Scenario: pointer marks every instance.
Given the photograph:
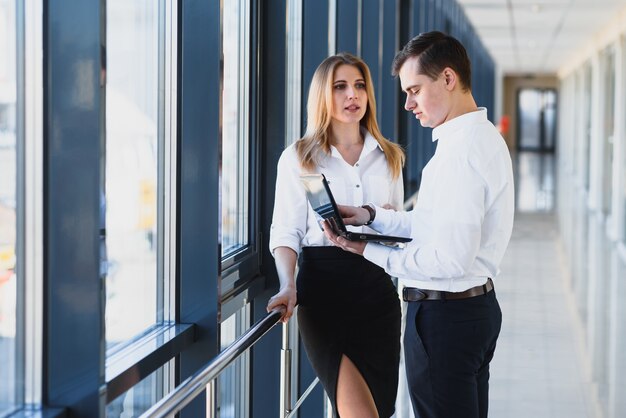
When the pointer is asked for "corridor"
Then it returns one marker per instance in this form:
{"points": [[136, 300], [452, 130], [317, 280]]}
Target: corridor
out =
{"points": [[561, 348]]}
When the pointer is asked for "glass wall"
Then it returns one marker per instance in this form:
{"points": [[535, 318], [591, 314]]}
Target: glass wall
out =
{"points": [[235, 161], [8, 208]]}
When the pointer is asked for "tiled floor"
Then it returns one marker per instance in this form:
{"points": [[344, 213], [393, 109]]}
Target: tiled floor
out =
{"points": [[539, 369]]}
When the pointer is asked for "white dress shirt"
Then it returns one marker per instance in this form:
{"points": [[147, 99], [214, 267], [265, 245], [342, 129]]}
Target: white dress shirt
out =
{"points": [[463, 218], [369, 181]]}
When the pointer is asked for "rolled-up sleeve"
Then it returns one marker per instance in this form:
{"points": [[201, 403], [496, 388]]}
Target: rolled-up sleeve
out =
{"points": [[289, 221]]}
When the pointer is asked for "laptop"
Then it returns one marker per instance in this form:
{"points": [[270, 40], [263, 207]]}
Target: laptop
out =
{"points": [[323, 203]]}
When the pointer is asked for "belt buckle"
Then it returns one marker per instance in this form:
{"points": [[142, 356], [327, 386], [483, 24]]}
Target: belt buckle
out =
{"points": [[414, 292]]}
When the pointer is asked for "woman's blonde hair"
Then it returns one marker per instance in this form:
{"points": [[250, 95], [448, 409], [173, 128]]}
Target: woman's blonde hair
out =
{"points": [[316, 142]]}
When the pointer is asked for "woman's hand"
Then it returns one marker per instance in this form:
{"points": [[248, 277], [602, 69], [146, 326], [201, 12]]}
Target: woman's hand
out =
{"points": [[287, 297], [356, 247]]}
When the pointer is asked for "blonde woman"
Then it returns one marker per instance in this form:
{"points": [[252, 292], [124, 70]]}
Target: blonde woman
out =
{"points": [[349, 311]]}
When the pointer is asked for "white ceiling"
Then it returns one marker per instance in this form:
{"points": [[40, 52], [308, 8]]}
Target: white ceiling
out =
{"points": [[538, 36]]}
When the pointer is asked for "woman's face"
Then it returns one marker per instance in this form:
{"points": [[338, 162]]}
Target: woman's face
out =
{"points": [[349, 95]]}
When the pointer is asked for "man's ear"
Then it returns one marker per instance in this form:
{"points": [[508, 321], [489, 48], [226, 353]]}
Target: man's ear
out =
{"points": [[450, 78]]}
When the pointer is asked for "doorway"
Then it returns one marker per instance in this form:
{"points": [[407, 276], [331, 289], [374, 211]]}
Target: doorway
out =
{"points": [[536, 119]]}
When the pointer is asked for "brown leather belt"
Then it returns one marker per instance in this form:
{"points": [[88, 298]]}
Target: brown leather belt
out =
{"points": [[412, 294]]}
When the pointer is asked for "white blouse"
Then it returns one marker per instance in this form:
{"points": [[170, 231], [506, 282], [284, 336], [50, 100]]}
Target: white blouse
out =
{"points": [[369, 181], [463, 218]]}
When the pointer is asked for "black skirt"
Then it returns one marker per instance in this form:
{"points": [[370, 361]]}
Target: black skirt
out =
{"points": [[349, 306]]}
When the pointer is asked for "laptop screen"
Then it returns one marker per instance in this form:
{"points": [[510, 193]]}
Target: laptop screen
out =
{"points": [[322, 201]]}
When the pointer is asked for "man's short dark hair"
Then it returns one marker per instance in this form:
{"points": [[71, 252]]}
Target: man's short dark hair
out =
{"points": [[436, 51]]}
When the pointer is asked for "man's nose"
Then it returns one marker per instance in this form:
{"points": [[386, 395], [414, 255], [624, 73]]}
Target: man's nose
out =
{"points": [[409, 104]]}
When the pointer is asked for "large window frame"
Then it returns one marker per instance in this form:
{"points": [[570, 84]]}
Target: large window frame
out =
{"points": [[240, 267]]}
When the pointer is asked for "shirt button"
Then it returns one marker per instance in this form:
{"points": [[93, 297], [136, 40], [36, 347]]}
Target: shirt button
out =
{"points": [[357, 164], [358, 185]]}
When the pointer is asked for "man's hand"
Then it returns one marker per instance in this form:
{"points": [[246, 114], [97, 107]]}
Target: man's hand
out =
{"points": [[353, 215], [356, 247]]}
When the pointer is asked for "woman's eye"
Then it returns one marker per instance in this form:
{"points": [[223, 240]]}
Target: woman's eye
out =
{"points": [[360, 85], [340, 86]]}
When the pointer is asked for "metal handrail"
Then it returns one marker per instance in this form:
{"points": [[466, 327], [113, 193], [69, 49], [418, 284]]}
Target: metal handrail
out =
{"points": [[196, 383]]}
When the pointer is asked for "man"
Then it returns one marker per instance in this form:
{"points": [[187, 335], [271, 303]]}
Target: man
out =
{"points": [[461, 226]]}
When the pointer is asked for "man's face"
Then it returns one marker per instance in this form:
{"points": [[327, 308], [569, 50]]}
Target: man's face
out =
{"points": [[428, 99]]}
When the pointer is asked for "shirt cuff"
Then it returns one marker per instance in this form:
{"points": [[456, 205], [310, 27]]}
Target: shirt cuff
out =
{"points": [[377, 254], [381, 219]]}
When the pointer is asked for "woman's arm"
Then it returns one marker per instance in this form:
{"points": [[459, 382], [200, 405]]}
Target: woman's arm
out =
{"points": [[285, 259]]}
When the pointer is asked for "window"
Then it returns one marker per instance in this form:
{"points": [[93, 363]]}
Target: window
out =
{"points": [[9, 235], [131, 173], [233, 383], [235, 160], [137, 258], [142, 396], [586, 114], [608, 129]]}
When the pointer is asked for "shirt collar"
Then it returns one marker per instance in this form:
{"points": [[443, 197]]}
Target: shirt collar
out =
{"points": [[369, 144], [450, 127]]}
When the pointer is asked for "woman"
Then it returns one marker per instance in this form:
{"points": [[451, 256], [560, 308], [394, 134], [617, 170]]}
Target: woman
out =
{"points": [[349, 311]]}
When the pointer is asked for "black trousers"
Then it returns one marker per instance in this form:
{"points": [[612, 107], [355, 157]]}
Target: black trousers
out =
{"points": [[448, 345]]}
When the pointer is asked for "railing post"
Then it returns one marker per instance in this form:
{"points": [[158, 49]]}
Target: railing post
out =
{"points": [[211, 394], [285, 374]]}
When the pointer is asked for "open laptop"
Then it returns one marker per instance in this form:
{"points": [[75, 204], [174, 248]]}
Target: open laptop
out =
{"points": [[323, 203]]}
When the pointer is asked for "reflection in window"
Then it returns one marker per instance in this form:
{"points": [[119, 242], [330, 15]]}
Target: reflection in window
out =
{"points": [[131, 173], [235, 149], [8, 203]]}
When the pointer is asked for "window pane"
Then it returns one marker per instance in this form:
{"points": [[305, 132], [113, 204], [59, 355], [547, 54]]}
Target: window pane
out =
{"points": [[131, 183], [141, 397], [8, 203], [235, 160], [233, 382]]}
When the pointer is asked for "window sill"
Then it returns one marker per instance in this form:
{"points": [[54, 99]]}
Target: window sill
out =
{"points": [[31, 412], [128, 366]]}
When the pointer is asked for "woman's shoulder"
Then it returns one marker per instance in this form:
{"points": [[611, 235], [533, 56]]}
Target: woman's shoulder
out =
{"points": [[290, 153]]}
